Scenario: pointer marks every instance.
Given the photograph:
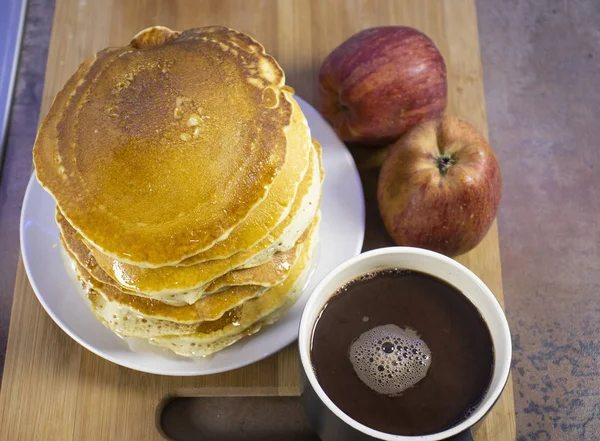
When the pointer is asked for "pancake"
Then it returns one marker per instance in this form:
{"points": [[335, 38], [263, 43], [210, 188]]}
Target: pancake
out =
{"points": [[209, 307], [76, 249], [132, 148], [179, 279], [269, 274], [280, 197], [187, 187], [182, 338], [242, 322], [194, 346], [283, 236]]}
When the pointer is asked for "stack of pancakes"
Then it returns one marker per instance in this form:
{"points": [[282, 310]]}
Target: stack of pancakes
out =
{"points": [[187, 187]]}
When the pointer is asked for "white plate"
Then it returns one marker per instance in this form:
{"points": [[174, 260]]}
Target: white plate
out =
{"points": [[341, 237]]}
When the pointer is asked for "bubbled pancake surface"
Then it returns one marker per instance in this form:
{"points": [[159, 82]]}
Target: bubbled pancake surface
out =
{"points": [[132, 148], [278, 203], [181, 279]]}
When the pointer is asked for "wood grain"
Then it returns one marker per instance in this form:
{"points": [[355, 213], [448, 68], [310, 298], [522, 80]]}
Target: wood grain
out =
{"points": [[53, 389]]}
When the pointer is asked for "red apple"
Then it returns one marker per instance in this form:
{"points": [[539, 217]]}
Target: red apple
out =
{"points": [[381, 82], [440, 187]]}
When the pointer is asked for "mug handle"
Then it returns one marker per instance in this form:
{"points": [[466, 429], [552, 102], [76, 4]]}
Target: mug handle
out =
{"points": [[467, 435]]}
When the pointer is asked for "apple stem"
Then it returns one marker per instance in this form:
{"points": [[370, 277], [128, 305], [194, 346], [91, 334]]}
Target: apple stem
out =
{"points": [[444, 162]]}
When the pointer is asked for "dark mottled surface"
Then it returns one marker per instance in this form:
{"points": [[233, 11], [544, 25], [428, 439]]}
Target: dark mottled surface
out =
{"points": [[541, 63], [542, 80]]}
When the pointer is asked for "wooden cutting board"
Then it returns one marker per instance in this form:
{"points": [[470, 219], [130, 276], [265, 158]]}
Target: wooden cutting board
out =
{"points": [[53, 389]]}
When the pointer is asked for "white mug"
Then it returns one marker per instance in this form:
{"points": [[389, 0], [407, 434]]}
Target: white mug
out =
{"points": [[331, 423]]}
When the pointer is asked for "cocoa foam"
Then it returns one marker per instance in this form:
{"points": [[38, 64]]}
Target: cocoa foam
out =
{"points": [[390, 359]]}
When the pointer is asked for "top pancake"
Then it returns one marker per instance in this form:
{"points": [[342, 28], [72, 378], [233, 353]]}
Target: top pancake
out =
{"points": [[155, 151], [179, 278], [278, 203]]}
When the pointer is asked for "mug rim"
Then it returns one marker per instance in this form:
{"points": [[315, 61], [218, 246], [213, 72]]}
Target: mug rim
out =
{"points": [[311, 313]]}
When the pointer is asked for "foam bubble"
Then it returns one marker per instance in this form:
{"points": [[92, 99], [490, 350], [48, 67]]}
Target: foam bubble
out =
{"points": [[389, 359]]}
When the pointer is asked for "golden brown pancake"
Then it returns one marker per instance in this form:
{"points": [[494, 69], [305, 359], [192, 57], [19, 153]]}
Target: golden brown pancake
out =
{"points": [[187, 187], [273, 209], [75, 248], [179, 279], [268, 274], [166, 333], [209, 307], [199, 346], [133, 147]]}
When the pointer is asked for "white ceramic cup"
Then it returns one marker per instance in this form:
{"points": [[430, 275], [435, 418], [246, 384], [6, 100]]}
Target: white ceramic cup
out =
{"points": [[331, 423]]}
